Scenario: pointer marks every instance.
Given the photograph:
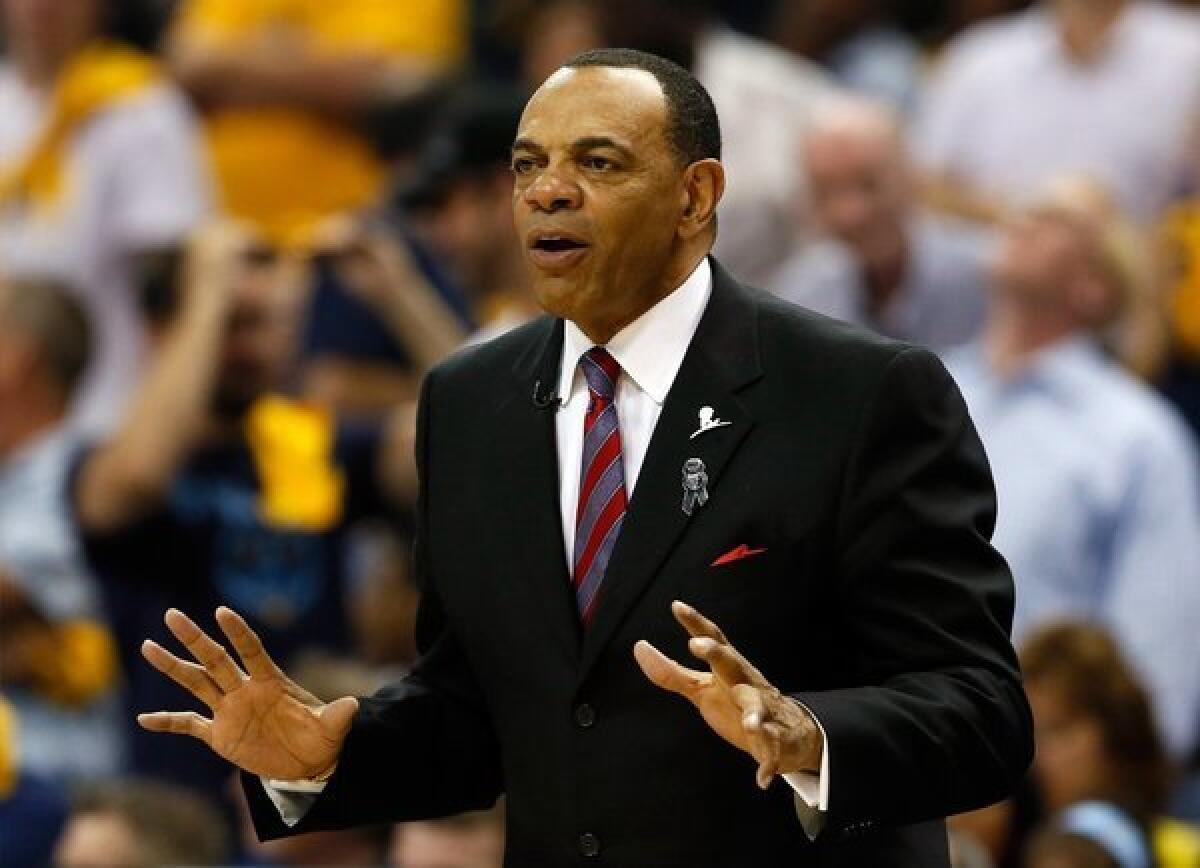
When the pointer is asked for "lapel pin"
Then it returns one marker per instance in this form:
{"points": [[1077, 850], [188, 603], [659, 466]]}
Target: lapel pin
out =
{"points": [[695, 485], [708, 421]]}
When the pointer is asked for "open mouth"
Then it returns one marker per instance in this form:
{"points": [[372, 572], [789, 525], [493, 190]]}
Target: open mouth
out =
{"points": [[553, 244], [555, 251]]}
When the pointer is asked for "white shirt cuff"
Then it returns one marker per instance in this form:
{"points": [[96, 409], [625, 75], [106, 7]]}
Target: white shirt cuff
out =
{"points": [[812, 790], [292, 799]]}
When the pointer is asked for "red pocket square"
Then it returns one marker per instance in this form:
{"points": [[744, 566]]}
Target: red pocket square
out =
{"points": [[736, 554]]}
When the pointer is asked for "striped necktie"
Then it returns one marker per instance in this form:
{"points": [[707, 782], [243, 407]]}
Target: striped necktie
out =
{"points": [[602, 500]]}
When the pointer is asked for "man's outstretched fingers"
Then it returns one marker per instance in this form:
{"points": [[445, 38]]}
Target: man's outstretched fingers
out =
{"points": [[178, 722], [247, 644], [204, 648], [189, 676], [725, 661], [665, 672], [695, 623]]}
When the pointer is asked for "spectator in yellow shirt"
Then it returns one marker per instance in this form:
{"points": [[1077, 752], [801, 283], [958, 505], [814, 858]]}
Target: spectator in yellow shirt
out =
{"points": [[285, 84]]}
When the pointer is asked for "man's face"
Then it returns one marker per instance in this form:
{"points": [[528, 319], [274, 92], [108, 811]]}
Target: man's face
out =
{"points": [[860, 190], [51, 27], [259, 337], [598, 194], [472, 227], [1041, 255]]}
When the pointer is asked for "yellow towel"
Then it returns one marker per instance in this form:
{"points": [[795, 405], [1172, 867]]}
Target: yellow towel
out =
{"points": [[292, 444], [1183, 233], [8, 748], [100, 75], [77, 663]]}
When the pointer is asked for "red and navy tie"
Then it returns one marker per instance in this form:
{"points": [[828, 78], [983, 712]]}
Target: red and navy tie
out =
{"points": [[602, 499]]}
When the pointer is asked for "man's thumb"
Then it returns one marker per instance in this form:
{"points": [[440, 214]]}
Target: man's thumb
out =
{"points": [[337, 716]]}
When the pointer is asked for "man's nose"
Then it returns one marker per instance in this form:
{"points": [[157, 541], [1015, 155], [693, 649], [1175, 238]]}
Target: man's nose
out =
{"points": [[551, 192]]}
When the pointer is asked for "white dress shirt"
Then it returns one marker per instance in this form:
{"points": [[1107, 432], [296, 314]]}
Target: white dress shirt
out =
{"points": [[650, 351], [1008, 111]]}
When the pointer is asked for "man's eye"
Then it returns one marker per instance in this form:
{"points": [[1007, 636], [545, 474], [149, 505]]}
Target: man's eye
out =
{"points": [[597, 163], [521, 165]]}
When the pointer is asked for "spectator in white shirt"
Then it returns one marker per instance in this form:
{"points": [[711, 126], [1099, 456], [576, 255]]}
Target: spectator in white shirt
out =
{"points": [[1104, 88], [99, 162]]}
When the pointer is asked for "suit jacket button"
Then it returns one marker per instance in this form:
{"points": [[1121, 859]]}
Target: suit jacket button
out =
{"points": [[589, 845], [585, 715]]}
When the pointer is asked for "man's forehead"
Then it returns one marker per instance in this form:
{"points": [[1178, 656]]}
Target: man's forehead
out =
{"points": [[575, 103]]}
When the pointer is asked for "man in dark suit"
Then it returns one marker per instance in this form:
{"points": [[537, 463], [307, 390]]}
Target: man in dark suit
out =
{"points": [[818, 493]]}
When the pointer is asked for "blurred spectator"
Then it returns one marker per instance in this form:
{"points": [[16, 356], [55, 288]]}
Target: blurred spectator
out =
{"points": [[1096, 736], [1090, 835], [887, 263], [1096, 476], [474, 840], [140, 824], [377, 321], [859, 44], [32, 810], [380, 315], [216, 489], [99, 162], [461, 203], [57, 660], [286, 86], [1105, 88], [765, 97]]}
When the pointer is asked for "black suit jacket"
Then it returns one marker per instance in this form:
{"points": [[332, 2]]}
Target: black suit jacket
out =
{"points": [[878, 602]]}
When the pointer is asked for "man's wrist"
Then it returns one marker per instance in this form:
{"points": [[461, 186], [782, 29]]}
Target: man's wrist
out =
{"points": [[811, 741]]}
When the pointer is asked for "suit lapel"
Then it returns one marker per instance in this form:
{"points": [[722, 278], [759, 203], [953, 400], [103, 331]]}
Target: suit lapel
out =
{"points": [[541, 559], [722, 358]]}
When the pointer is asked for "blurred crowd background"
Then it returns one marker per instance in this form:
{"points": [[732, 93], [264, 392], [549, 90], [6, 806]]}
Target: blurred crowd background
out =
{"points": [[235, 233]]}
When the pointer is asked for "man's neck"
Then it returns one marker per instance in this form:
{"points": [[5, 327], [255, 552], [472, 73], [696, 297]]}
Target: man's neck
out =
{"points": [[601, 331], [1016, 334], [1086, 26], [884, 277]]}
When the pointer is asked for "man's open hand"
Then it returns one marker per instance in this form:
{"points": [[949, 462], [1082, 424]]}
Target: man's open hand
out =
{"points": [[262, 721], [735, 699]]}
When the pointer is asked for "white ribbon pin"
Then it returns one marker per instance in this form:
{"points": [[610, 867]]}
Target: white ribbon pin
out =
{"points": [[708, 421]]}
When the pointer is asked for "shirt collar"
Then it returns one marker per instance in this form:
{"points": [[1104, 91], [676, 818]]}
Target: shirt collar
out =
{"points": [[650, 349]]}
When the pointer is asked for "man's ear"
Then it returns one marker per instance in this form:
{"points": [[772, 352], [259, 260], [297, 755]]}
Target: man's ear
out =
{"points": [[703, 186]]}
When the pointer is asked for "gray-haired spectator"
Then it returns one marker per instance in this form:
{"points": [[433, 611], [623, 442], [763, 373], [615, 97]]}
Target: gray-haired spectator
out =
{"points": [[1105, 88], [57, 663], [886, 262]]}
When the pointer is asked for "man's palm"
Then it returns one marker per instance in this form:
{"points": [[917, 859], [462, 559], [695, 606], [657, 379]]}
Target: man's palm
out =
{"points": [[262, 721], [735, 700]]}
